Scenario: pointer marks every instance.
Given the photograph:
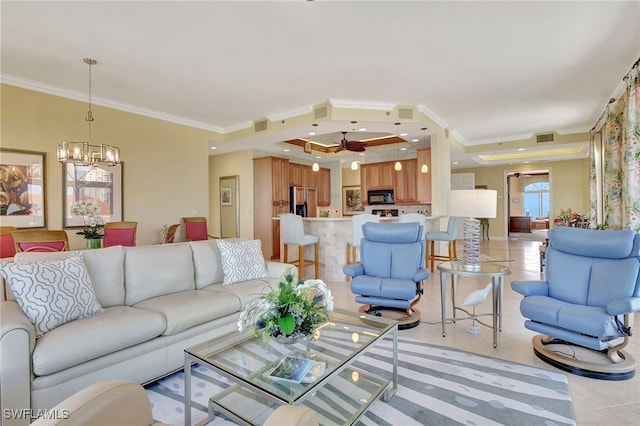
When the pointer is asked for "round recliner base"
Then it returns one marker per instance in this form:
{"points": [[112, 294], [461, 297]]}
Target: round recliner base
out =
{"points": [[405, 320], [583, 361]]}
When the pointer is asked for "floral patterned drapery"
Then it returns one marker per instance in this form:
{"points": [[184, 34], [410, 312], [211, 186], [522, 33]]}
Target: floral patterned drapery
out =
{"points": [[620, 137]]}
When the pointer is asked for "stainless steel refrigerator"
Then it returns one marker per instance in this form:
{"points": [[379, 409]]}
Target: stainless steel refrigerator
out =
{"points": [[303, 201]]}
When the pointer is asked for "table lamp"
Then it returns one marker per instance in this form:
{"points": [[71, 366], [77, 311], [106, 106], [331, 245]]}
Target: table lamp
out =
{"points": [[472, 204]]}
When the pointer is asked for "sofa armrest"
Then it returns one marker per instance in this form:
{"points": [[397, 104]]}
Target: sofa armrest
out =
{"points": [[292, 415], [624, 306], [531, 288], [276, 269], [113, 402], [421, 275], [17, 342], [353, 269]]}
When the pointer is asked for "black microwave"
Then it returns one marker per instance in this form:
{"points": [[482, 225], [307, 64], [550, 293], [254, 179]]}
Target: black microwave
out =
{"points": [[380, 196]]}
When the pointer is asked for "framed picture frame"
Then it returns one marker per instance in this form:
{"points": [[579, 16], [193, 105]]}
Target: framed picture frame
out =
{"points": [[22, 188], [103, 184], [225, 196], [351, 200]]}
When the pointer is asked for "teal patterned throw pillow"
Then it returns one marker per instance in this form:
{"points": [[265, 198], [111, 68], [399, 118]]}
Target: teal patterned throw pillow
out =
{"points": [[52, 292]]}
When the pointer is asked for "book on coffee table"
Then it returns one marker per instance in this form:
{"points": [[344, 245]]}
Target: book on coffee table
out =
{"points": [[291, 369]]}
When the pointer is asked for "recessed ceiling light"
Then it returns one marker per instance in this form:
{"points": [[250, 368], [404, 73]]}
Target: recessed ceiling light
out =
{"points": [[456, 162], [213, 147], [520, 149], [403, 149], [311, 133], [317, 156], [286, 150], [415, 140], [362, 129], [404, 134], [362, 153]]}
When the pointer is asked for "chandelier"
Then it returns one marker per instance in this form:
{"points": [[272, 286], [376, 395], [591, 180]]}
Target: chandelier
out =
{"points": [[84, 153]]}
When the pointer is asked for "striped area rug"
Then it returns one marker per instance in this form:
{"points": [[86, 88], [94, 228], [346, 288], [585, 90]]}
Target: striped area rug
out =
{"points": [[437, 386]]}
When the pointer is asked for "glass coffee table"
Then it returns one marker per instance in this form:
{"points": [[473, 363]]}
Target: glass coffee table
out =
{"points": [[339, 396]]}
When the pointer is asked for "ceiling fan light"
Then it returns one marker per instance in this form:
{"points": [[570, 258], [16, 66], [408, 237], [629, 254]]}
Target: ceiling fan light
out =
{"points": [[397, 166], [315, 167], [354, 165], [424, 169]]}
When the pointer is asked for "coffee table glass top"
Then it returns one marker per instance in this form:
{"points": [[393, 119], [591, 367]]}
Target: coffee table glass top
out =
{"points": [[248, 360]]}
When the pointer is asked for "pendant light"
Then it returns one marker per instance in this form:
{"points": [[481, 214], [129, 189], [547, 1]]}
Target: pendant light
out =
{"points": [[315, 167], [398, 165], [84, 153], [424, 168]]}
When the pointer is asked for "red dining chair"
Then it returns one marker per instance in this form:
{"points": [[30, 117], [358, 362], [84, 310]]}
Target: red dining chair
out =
{"points": [[40, 240], [120, 234], [195, 229], [7, 245]]}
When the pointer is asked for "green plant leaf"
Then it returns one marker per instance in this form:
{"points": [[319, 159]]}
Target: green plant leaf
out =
{"points": [[287, 324]]}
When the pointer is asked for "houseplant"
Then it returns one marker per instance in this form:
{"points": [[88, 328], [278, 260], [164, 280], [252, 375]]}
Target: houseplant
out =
{"points": [[290, 312], [93, 230]]}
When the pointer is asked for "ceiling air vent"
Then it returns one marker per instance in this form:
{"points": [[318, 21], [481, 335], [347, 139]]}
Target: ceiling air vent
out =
{"points": [[321, 112], [405, 113], [544, 138], [260, 126]]}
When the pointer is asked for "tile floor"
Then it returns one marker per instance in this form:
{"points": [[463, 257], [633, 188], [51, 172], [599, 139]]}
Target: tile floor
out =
{"points": [[596, 402]]}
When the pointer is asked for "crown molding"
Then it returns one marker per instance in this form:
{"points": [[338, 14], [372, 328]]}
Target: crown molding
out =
{"points": [[37, 86], [291, 113], [355, 104]]}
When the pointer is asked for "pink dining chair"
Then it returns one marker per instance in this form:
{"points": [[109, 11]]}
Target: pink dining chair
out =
{"points": [[120, 234], [7, 245], [40, 240], [195, 229]]}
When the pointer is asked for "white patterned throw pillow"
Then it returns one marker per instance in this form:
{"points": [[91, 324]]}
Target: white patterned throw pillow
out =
{"points": [[52, 292], [242, 261]]}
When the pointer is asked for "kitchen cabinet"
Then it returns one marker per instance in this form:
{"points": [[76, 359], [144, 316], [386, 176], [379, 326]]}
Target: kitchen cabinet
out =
{"points": [[270, 199], [296, 174], [323, 184], [377, 176], [423, 180], [405, 188]]}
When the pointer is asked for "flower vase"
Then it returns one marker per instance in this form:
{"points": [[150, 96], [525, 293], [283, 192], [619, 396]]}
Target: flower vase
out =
{"points": [[288, 340], [94, 243]]}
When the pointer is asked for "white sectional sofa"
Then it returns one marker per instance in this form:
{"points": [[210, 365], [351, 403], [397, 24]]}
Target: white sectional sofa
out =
{"points": [[157, 300]]}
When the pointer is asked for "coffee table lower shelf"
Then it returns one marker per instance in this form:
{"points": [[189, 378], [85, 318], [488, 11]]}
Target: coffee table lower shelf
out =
{"points": [[342, 400]]}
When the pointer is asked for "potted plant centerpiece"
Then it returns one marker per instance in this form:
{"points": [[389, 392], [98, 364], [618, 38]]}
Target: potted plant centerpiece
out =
{"points": [[93, 230], [290, 312]]}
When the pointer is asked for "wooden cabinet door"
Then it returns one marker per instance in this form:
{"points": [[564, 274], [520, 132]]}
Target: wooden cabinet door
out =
{"points": [[423, 180], [312, 202], [400, 190], [409, 168], [306, 176], [324, 187], [387, 175], [371, 174], [296, 172], [280, 179]]}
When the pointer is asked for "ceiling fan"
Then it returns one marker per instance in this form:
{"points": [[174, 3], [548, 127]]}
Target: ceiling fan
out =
{"points": [[355, 146]]}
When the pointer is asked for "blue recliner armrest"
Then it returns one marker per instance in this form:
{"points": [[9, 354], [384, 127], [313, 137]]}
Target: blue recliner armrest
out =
{"points": [[624, 306], [421, 275], [531, 288], [353, 270]]}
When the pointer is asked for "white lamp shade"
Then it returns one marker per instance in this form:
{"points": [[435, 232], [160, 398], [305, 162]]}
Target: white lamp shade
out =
{"points": [[315, 167], [354, 165], [478, 203]]}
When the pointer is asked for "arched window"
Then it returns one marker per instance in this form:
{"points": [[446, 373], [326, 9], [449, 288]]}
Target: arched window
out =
{"points": [[536, 199]]}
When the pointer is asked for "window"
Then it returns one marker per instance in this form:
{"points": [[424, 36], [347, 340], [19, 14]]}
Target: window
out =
{"points": [[536, 199]]}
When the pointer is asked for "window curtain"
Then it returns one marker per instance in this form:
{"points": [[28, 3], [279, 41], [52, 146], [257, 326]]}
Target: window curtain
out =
{"points": [[620, 136]]}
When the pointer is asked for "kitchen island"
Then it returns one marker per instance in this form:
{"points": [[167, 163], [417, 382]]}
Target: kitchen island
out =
{"points": [[334, 232]]}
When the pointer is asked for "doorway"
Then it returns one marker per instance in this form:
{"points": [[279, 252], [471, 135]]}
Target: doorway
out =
{"points": [[229, 206], [529, 204]]}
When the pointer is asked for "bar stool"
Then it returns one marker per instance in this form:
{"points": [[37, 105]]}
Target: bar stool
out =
{"points": [[422, 220], [356, 235], [449, 236], [292, 232]]}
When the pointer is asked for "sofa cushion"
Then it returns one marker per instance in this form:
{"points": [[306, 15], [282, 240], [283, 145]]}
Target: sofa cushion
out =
{"points": [[189, 308], [246, 291], [116, 328], [156, 270], [242, 261], [207, 263], [105, 266], [52, 292]]}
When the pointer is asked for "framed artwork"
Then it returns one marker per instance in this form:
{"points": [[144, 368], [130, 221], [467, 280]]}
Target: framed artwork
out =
{"points": [[22, 188], [102, 184], [351, 201], [307, 147], [225, 196]]}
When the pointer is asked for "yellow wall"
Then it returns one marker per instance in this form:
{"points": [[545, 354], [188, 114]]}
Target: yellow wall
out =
{"points": [[235, 163], [568, 183], [165, 165]]}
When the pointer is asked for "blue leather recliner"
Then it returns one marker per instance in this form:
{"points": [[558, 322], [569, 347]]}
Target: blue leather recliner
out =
{"points": [[592, 285], [387, 278]]}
